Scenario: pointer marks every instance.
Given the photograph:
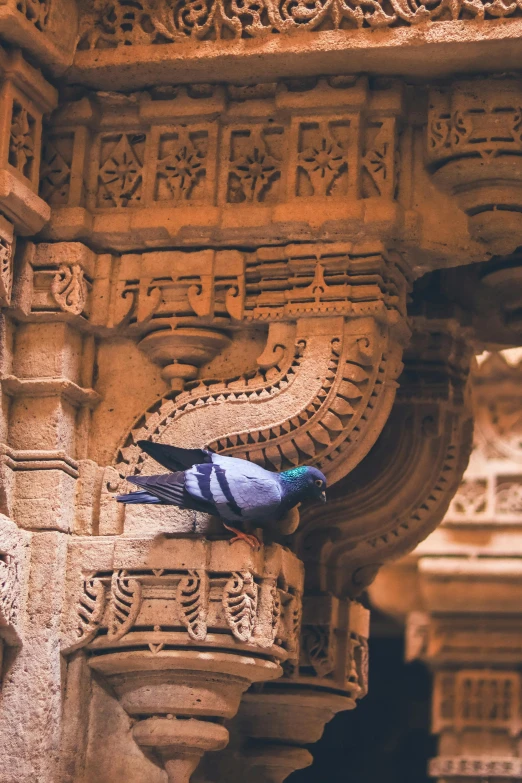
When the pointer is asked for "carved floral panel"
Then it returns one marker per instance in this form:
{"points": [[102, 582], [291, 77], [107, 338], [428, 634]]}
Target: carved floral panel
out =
{"points": [[255, 165], [223, 162], [184, 164], [327, 157]]}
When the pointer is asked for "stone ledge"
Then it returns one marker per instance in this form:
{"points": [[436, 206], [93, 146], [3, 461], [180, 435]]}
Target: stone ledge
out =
{"points": [[25, 209], [428, 50]]}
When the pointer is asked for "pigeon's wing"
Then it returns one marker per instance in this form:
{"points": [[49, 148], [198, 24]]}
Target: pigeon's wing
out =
{"points": [[236, 495], [174, 458], [241, 466], [141, 496], [170, 489]]}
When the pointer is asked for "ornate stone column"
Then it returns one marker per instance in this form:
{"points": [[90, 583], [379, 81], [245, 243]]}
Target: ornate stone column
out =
{"points": [[179, 629], [460, 591], [474, 145]]}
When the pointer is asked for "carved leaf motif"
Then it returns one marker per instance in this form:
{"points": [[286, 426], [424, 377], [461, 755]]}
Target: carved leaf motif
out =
{"points": [[91, 608], [269, 613], [192, 597], [318, 649], [124, 606], [293, 618], [8, 589], [70, 289], [6, 269], [240, 604]]}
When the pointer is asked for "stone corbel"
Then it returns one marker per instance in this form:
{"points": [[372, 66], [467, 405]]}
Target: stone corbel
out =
{"points": [[179, 630], [397, 495], [326, 382], [474, 139]]}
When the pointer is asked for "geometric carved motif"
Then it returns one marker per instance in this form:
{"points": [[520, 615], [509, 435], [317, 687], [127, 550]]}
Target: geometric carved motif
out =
{"points": [[128, 22], [322, 168], [256, 157], [348, 151], [180, 169], [477, 699], [120, 173], [55, 169]]}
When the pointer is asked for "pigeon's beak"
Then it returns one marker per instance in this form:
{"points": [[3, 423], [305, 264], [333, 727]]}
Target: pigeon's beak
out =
{"points": [[323, 497]]}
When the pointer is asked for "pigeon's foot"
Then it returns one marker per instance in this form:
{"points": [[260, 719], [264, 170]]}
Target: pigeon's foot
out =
{"points": [[251, 540]]}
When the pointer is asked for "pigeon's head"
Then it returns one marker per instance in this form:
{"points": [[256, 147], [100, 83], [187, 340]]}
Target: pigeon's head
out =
{"points": [[309, 482]]}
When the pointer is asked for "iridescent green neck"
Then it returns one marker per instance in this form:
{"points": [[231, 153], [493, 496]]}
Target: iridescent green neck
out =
{"points": [[294, 474]]}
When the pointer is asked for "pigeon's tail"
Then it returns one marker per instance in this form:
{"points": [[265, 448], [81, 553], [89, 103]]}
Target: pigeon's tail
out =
{"points": [[138, 497]]}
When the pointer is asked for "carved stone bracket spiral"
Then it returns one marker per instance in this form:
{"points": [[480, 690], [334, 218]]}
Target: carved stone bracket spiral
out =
{"points": [[397, 495], [321, 397]]}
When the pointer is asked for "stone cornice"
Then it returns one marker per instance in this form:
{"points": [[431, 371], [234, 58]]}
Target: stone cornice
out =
{"points": [[408, 39]]}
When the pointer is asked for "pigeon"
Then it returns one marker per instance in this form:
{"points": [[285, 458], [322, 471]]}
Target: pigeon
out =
{"points": [[237, 491]]}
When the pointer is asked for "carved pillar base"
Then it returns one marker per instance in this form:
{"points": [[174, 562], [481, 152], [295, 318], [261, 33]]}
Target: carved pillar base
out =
{"points": [[182, 351], [180, 743], [179, 629], [280, 719], [277, 719]]}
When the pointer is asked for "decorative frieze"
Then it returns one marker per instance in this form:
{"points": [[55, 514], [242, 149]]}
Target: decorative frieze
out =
{"points": [[123, 23], [254, 610], [136, 157]]}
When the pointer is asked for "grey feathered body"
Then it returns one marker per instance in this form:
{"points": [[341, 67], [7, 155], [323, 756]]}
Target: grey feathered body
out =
{"points": [[233, 489]]}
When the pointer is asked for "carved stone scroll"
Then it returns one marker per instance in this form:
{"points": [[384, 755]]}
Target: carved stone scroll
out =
{"points": [[323, 403], [192, 598], [124, 605], [69, 289], [240, 604]]}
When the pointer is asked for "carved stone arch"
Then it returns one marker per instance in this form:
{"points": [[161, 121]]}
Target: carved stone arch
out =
{"points": [[400, 492], [323, 392]]}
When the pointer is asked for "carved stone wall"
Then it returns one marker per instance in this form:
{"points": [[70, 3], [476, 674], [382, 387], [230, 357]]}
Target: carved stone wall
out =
{"points": [[275, 229]]}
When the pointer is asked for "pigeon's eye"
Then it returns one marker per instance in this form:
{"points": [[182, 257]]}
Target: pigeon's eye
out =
{"points": [[318, 483]]}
